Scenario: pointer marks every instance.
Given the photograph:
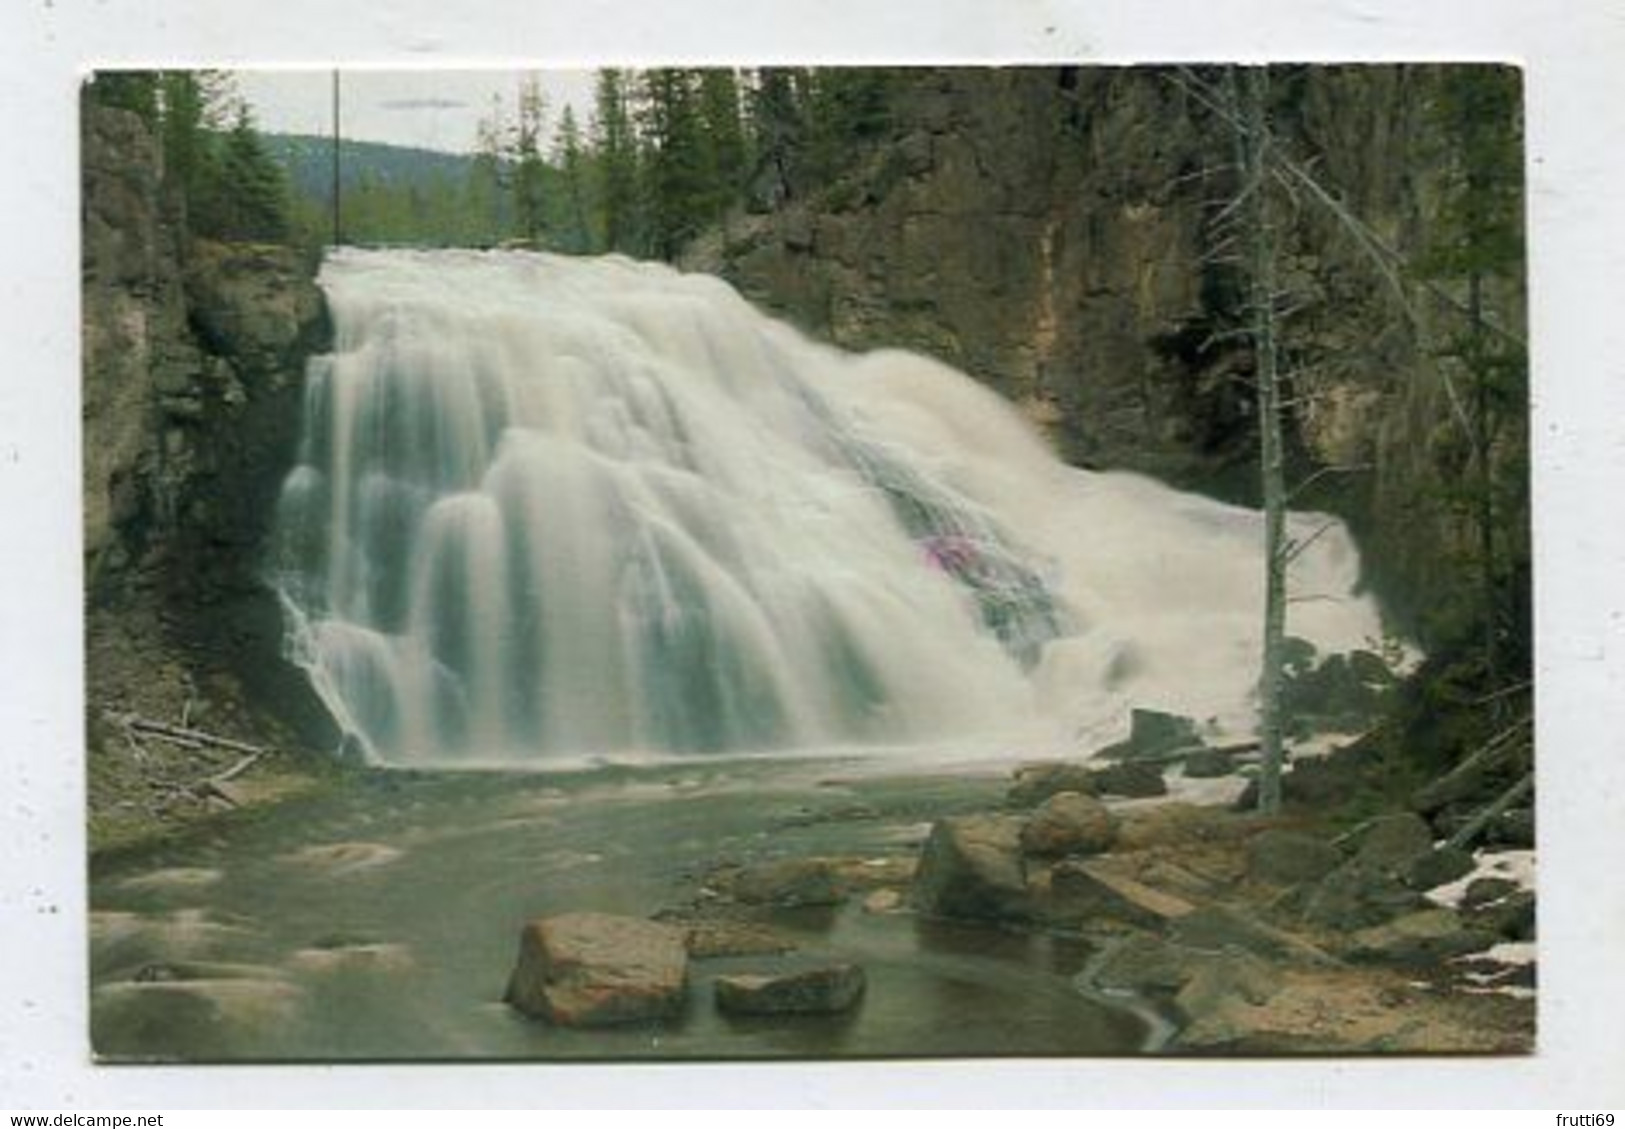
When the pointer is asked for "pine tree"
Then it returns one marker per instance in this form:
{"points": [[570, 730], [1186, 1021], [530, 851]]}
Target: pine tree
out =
{"points": [[1478, 254], [483, 191], [569, 155], [776, 127], [252, 192], [136, 91], [677, 160], [725, 137], [616, 160], [528, 166]]}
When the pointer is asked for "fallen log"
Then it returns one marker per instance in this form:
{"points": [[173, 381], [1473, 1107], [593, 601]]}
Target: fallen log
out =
{"points": [[190, 738], [1475, 826]]}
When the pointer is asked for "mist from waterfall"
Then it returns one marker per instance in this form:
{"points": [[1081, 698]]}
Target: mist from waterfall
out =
{"points": [[550, 508]]}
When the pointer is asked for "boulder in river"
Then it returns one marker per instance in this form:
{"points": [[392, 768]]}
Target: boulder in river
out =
{"points": [[971, 867], [597, 969], [1131, 779], [811, 991], [786, 883], [1153, 732], [1069, 823], [1207, 764], [1035, 783]]}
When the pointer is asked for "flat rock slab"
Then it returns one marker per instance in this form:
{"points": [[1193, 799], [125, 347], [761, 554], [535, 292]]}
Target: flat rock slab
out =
{"points": [[597, 969], [1082, 891], [708, 939], [813, 991], [785, 883]]}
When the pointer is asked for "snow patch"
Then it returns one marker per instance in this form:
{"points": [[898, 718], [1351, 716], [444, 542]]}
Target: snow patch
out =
{"points": [[1519, 866]]}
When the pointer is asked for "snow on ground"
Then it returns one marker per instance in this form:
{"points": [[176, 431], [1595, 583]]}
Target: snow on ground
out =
{"points": [[1519, 866]]}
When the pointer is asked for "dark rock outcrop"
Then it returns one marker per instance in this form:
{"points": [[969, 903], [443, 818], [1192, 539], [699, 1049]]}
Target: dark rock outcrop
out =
{"points": [[1286, 858], [1389, 842], [1049, 230], [1426, 938], [1357, 895], [194, 357], [1206, 764], [1436, 867], [1130, 779]]}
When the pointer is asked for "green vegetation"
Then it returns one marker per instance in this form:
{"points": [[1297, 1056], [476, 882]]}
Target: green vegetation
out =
{"points": [[664, 154], [220, 179]]}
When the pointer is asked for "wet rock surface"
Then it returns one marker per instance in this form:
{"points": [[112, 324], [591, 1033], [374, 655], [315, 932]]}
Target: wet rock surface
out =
{"points": [[593, 969], [1069, 823], [971, 867], [809, 991]]}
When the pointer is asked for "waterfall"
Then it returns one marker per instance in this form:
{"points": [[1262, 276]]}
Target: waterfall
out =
{"points": [[551, 507]]}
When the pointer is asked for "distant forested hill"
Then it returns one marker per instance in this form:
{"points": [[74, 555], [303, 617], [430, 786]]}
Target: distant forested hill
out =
{"points": [[309, 164]]}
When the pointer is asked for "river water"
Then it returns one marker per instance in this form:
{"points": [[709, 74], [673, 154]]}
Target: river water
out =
{"points": [[380, 921]]}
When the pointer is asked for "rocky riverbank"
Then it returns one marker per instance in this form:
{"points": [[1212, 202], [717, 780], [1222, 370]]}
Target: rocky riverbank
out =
{"points": [[1299, 934], [194, 357]]}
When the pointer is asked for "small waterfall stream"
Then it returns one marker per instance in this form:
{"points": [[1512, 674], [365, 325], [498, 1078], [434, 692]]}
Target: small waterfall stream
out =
{"points": [[552, 507]]}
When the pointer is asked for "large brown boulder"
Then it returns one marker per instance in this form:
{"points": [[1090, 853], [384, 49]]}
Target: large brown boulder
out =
{"points": [[1069, 823], [596, 969], [971, 867]]}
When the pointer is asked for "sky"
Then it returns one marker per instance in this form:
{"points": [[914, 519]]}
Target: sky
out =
{"points": [[429, 109]]}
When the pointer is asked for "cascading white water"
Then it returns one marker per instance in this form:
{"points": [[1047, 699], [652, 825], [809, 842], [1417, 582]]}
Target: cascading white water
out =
{"points": [[553, 506]]}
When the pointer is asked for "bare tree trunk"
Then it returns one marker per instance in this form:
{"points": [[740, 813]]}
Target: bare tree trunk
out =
{"points": [[1251, 142]]}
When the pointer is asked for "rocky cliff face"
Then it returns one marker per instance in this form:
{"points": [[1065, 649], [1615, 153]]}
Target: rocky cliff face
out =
{"points": [[1057, 232], [193, 361]]}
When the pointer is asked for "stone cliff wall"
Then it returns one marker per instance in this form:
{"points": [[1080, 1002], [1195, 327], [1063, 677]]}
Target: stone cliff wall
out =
{"points": [[193, 362], [1053, 232]]}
